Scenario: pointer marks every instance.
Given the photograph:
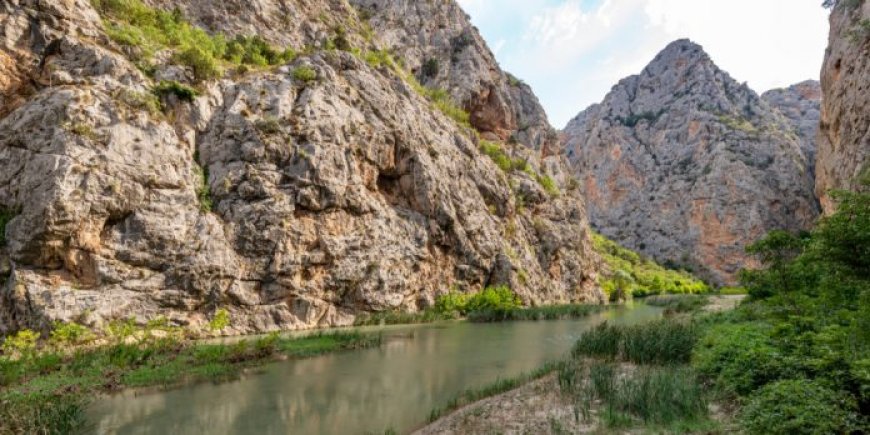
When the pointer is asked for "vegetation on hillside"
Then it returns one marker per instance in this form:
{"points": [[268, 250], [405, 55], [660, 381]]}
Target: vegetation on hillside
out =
{"points": [[144, 31], [492, 304], [634, 275], [797, 357]]}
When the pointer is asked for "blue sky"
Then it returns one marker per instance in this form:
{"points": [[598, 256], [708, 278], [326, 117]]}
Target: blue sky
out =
{"points": [[573, 51]]}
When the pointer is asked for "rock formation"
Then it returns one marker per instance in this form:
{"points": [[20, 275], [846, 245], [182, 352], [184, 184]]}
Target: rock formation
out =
{"points": [[294, 196], [438, 43], [688, 166], [800, 104], [844, 137]]}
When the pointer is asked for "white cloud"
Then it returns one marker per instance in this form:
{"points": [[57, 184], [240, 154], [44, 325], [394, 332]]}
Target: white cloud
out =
{"points": [[573, 51]]}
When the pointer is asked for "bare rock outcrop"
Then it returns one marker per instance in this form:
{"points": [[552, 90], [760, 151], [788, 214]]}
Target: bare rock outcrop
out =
{"points": [[688, 166], [293, 202], [438, 43], [801, 105], [844, 136]]}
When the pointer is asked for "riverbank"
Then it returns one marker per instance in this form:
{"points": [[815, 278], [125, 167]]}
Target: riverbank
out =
{"points": [[627, 378], [46, 384], [48, 392]]}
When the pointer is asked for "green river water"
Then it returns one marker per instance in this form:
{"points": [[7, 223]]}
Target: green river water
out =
{"points": [[417, 368]]}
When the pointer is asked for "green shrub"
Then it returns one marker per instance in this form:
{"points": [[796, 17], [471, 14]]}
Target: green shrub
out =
{"points": [[120, 330], [22, 344], [203, 190], [380, 58], [182, 92], [741, 357], [304, 74], [205, 66], [146, 30], [254, 50], [70, 334], [452, 303], [548, 184], [220, 320], [430, 68], [798, 407], [500, 298]]}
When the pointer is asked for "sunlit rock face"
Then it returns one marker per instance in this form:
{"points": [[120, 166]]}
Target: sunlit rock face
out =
{"points": [[844, 137], [688, 166], [329, 197]]}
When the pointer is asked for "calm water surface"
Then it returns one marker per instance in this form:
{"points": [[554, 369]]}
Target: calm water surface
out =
{"points": [[356, 392]]}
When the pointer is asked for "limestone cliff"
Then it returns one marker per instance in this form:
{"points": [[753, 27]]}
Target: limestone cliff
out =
{"points": [[686, 165], [438, 43], [294, 189], [844, 136], [801, 105]]}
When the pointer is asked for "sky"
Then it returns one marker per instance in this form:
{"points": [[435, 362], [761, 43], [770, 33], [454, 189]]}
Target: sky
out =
{"points": [[572, 52]]}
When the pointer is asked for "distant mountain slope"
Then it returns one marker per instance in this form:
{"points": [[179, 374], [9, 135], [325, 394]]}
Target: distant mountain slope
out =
{"points": [[686, 165], [801, 105]]}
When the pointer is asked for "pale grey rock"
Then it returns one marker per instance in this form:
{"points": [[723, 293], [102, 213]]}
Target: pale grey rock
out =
{"points": [[344, 195], [438, 43], [684, 164], [800, 104]]}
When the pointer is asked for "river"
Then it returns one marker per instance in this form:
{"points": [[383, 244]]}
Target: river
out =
{"points": [[395, 386]]}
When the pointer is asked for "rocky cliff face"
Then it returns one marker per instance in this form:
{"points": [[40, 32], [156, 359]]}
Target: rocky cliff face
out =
{"points": [[801, 105], [441, 47], [844, 136], [686, 165], [294, 196]]}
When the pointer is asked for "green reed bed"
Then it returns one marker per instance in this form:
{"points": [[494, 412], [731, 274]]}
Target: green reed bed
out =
{"points": [[664, 341], [553, 312], [652, 396], [678, 303]]}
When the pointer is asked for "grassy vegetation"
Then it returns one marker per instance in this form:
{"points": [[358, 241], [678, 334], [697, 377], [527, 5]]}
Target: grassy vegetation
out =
{"points": [[632, 274], [665, 341], [203, 190], [401, 318], [506, 163], [553, 312], [501, 159], [798, 354], [304, 74], [492, 304], [144, 31], [46, 391], [652, 397], [678, 303]]}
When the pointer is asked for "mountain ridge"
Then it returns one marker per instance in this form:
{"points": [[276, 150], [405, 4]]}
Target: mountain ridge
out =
{"points": [[685, 164]]}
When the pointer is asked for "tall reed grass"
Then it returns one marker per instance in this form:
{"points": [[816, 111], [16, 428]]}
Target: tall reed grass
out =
{"points": [[665, 341]]}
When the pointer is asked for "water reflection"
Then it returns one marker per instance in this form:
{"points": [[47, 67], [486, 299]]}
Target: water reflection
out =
{"points": [[394, 386]]}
